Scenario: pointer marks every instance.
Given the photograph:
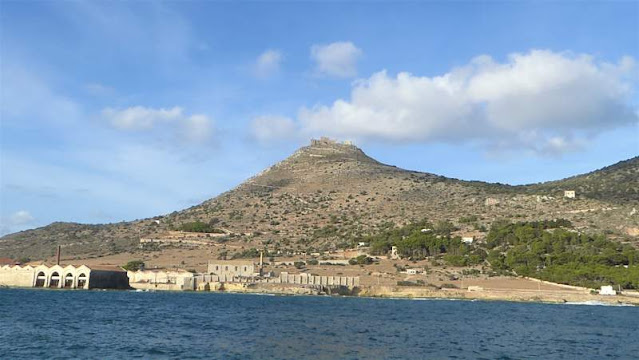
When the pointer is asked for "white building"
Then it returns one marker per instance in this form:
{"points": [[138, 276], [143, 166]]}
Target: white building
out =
{"points": [[569, 194], [467, 239], [607, 290], [394, 254], [64, 277]]}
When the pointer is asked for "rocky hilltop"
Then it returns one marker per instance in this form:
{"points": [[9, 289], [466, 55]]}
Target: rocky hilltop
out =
{"points": [[329, 193]]}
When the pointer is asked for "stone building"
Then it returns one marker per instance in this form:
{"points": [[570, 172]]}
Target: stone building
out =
{"points": [[233, 270], [173, 280], [67, 277], [569, 194], [309, 279]]}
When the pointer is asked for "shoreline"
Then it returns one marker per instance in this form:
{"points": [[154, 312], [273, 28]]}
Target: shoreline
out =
{"points": [[451, 295]]}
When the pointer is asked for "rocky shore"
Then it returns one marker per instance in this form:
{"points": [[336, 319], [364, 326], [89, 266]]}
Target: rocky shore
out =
{"points": [[408, 292]]}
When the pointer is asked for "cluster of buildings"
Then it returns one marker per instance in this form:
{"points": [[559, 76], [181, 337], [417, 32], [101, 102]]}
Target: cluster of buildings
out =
{"points": [[219, 272]]}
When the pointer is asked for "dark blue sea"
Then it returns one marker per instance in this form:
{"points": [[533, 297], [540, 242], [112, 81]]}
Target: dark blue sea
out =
{"points": [[49, 324]]}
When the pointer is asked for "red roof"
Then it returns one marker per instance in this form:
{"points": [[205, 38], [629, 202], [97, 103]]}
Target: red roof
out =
{"points": [[7, 261]]}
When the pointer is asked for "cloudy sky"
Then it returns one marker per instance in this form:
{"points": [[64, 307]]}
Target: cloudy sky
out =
{"points": [[115, 111]]}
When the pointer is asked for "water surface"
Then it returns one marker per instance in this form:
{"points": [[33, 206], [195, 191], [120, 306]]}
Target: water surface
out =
{"points": [[50, 324]]}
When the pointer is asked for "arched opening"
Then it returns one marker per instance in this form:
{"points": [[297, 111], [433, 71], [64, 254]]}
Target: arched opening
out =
{"points": [[41, 278], [54, 282], [68, 281], [82, 281]]}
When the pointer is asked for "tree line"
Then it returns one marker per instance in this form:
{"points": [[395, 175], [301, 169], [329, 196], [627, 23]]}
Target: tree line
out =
{"points": [[551, 250]]}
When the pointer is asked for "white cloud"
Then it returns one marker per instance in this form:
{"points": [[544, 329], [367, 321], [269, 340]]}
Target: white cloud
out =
{"points": [[21, 217], [140, 117], [271, 128], [542, 101], [196, 127], [17, 221], [268, 63], [337, 59]]}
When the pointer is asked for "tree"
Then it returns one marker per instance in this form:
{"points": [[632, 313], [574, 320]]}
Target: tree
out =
{"points": [[361, 260], [134, 265]]}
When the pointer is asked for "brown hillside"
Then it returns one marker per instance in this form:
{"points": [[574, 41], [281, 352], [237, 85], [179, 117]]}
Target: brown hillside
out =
{"points": [[328, 194]]}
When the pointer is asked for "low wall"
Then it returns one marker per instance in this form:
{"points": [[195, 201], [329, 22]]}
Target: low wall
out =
{"points": [[307, 279], [151, 286]]}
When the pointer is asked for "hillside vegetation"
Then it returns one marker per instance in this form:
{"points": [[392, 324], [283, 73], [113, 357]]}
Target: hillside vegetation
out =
{"points": [[548, 250], [618, 183]]}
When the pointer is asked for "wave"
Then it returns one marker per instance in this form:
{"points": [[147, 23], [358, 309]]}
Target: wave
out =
{"points": [[596, 303]]}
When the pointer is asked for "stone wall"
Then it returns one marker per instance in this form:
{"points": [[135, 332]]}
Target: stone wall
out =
{"points": [[16, 276], [308, 279], [161, 280]]}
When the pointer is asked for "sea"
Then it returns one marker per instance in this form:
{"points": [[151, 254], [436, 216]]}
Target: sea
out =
{"points": [[59, 324]]}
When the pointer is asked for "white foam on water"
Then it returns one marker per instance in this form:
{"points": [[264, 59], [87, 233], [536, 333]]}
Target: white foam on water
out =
{"points": [[596, 303]]}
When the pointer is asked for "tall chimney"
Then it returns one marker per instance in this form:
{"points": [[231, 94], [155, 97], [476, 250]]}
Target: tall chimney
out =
{"points": [[58, 255]]}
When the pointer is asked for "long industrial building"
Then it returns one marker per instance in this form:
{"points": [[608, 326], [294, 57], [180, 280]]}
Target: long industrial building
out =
{"points": [[63, 277]]}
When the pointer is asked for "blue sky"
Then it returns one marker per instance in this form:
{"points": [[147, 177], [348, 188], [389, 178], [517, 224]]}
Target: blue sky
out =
{"points": [[114, 111]]}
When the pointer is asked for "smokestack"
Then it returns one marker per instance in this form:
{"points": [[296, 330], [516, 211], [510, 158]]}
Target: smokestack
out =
{"points": [[261, 262], [58, 255]]}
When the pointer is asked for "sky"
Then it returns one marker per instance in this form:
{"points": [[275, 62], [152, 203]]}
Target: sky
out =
{"points": [[115, 111]]}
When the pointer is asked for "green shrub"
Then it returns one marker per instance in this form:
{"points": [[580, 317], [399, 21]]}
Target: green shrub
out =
{"points": [[134, 265]]}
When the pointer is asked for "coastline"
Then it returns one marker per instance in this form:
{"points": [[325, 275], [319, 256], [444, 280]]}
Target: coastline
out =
{"points": [[415, 293], [420, 293]]}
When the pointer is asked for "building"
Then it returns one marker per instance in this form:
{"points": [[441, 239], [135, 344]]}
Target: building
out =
{"points": [[468, 239], [309, 279], [607, 290], [233, 270], [569, 194], [394, 255], [173, 280], [67, 277], [414, 271]]}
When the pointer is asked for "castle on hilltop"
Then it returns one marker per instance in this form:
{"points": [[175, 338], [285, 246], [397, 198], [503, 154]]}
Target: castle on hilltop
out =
{"points": [[328, 141]]}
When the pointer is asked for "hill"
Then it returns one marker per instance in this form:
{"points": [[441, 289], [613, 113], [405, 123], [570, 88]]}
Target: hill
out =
{"points": [[331, 194], [618, 183]]}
